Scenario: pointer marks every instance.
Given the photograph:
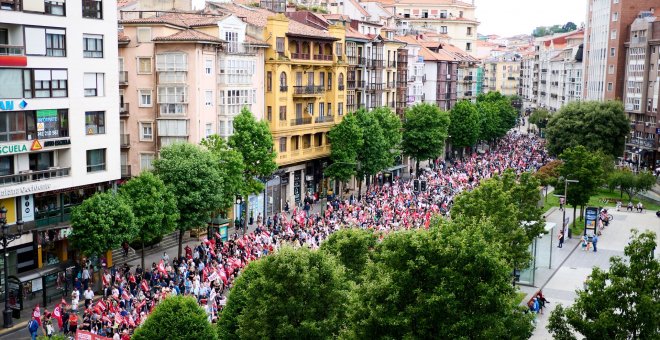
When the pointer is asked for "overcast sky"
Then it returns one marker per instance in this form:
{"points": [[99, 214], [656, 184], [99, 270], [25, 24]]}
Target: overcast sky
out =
{"points": [[511, 17]]}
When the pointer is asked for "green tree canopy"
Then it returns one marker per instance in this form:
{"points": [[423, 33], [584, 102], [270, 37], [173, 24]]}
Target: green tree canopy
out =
{"points": [[489, 124], [425, 130], [375, 154], [345, 141], [253, 140], [101, 223], [442, 283], [620, 303], [191, 174], [548, 173], [152, 204], [391, 125], [464, 124], [630, 183], [231, 167], [351, 247], [501, 115], [593, 124], [584, 166], [292, 294], [176, 317], [540, 117]]}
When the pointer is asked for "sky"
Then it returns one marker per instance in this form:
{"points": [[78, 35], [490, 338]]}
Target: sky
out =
{"points": [[511, 17]]}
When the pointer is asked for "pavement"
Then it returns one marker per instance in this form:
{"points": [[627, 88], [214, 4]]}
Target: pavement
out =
{"points": [[573, 265]]}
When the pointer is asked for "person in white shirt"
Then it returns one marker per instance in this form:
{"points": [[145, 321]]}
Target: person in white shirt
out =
{"points": [[75, 298], [89, 295]]}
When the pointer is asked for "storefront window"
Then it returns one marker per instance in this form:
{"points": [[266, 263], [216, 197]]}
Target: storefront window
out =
{"points": [[42, 160]]}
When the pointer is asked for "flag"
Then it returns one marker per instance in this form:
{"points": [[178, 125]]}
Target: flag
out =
{"points": [[125, 296], [64, 302], [144, 285], [106, 279], [101, 305], [36, 313], [131, 322], [223, 276], [213, 276], [161, 267], [57, 314], [118, 319]]}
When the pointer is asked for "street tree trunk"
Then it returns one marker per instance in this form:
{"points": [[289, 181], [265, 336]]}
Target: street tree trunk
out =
{"points": [[181, 233], [142, 253]]}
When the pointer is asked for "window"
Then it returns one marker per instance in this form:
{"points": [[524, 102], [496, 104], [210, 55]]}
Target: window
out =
{"points": [[92, 9], [329, 80], [92, 46], [612, 51], [208, 66], [469, 31], [146, 161], [321, 109], [208, 98], [95, 160], [145, 98], [146, 131], [55, 43], [340, 81], [54, 7], [269, 81], [279, 45], [6, 165], [232, 41], [339, 49], [329, 109], [144, 34], [443, 29], [282, 144], [609, 87], [340, 109], [95, 122], [41, 160], [269, 113], [172, 62], [310, 109], [283, 112], [209, 129], [283, 83], [615, 16], [610, 69], [94, 84], [144, 65], [233, 101], [613, 35], [172, 100], [236, 71], [47, 83], [468, 46]]}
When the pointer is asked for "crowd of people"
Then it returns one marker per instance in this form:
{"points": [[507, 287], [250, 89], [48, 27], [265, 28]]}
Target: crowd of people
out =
{"points": [[208, 270]]}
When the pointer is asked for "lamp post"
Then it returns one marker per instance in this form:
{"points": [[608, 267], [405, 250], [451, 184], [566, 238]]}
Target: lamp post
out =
{"points": [[239, 201], [563, 217], [7, 238]]}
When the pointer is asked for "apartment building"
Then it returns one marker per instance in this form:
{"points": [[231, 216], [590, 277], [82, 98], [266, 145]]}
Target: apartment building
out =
{"points": [[502, 74], [605, 34], [440, 68], [453, 18], [59, 126], [642, 50]]}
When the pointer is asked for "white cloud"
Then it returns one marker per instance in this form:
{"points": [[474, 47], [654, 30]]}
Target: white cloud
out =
{"points": [[511, 17]]}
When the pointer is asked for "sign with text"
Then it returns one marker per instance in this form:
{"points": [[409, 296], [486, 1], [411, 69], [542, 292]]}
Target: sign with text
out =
{"points": [[590, 220], [48, 125], [27, 206]]}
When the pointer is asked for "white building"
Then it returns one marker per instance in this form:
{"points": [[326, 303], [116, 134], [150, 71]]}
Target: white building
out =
{"points": [[59, 120]]}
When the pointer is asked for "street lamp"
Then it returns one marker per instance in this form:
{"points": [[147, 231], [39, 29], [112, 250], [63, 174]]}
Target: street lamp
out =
{"points": [[7, 238], [239, 201], [563, 218]]}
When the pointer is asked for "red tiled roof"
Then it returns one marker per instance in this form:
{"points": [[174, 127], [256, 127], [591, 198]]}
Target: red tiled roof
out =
{"points": [[255, 41], [353, 33], [253, 16], [189, 35], [180, 19], [122, 38]]}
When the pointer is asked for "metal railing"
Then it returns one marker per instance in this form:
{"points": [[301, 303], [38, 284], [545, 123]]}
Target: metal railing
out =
{"points": [[325, 57], [309, 89], [644, 142], [325, 119], [11, 50], [301, 121], [340, 87], [125, 170], [300, 56], [376, 86], [125, 140], [284, 88], [124, 110], [31, 176], [123, 77]]}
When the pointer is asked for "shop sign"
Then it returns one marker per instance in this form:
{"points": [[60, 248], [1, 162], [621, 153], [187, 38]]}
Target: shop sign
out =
{"points": [[59, 142], [25, 189], [27, 205], [10, 149], [9, 105]]}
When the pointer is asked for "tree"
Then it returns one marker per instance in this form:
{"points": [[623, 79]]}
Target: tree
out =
{"points": [[375, 154], [584, 166], [548, 174], [415, 288], [231, 167], [525, 194], [391, 125], [351, 247], [594, 125], [346, 140], [253, 140], [152, 204], [101, 223], [176, 317], [490, 121], [464, 124], [191, 174], [504, 111], [540, 117], [424, 132], [630, 183], [621, 303], [292, 294], [569, 26]]}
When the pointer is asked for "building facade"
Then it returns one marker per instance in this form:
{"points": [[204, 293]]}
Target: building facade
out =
{"points": [[502, 74], [59, 125]]}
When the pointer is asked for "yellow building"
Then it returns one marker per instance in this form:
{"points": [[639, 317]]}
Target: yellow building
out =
{"points": [[502, 74], [305, 97]]}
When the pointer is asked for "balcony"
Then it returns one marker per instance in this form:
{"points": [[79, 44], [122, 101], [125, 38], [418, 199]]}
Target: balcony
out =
{"points": [[284, 88], [323, 57], [304, 56], [375, 63], [375, 86], [391, 63], [341, 87], [325, 119], [467, 78], [11, 50], [391, 84], [350, 84], [300, 121], [123, 78], [123, 110], [240, 49], [125, 140], [125, 170], [31, 176], [309, 90]]}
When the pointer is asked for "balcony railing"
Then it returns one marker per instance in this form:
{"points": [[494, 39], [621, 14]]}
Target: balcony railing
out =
{"points": [[340, 87], [362, 61], [391, 63], [301, 121], [350, 84], [309, 90], [325, 119], [391, 84], [124, 111], [125, 140], [325, 57], [11, 50], [31, 176], [375, 63], [376, 86], [300, 56], [123, 78], [284, 88], [125, 170]]}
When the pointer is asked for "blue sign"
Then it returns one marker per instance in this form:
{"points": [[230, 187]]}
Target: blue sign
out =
{"points": [[8, 105], [590, 219]]}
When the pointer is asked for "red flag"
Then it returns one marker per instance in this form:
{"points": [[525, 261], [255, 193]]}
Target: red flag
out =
{"points": [[101, 305], [118, 319], [124, 295], [36, 313], [106, 279], [144, 285], [161, 267], [105, 318], [223, 276], [141, 304], [131, 322], [57, 314]]}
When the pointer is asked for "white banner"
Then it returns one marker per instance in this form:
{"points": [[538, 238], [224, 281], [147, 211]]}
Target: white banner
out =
{"points": [[27, 208]]}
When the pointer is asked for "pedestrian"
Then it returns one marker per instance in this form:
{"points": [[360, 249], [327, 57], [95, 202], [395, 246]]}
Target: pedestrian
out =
{"points": [[640, 207], [618, 205], [561, 239], [88, 295], [594, 241], [124, 246], [630, 206], [562, 201], [85, 277], [75, 298], [33, 327], [542, 301]]}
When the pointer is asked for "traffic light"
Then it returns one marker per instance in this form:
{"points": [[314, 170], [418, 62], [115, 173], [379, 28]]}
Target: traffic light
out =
{"points": [[423, 185], [416, 185]]}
